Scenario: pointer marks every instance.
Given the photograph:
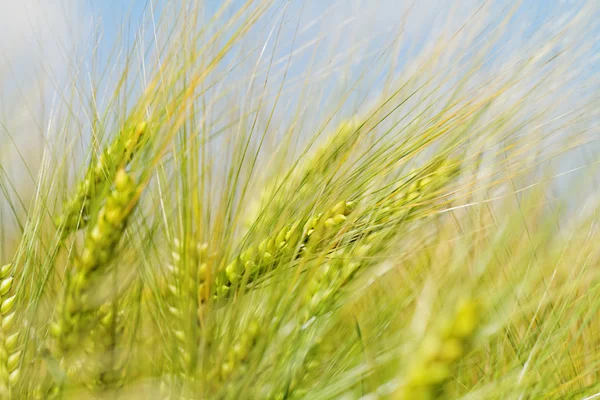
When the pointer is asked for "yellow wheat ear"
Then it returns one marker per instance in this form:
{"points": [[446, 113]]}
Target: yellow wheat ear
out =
{"points": [[10, 355], [440, 351], [301, 179], [255, 261], [77, 315], [115, 157]]}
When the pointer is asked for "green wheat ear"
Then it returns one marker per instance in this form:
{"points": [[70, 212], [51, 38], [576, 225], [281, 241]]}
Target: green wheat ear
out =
{"points": [[304, 178], [418, 196], [187, 286], [376, 229], [235, 356], [10, 355], [413, 199], [77, 313], [99, 175], [440, 351], [255, 261], [330, 155]]}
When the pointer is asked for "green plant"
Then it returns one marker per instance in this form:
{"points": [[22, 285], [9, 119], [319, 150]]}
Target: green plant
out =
{"points": [[236, 230]]}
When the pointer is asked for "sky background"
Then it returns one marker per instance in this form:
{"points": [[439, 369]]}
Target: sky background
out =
{"points": [[40, 38], [37, 35]]}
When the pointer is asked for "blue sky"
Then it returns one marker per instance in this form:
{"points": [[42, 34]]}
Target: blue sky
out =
{"points": [[37, 34], [37, 39]]}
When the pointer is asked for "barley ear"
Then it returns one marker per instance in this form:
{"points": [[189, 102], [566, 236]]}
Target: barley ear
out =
{"points": [[440, 351], [99, 174], [10, 355], [255, 261], [76, 315], [187, 286]]}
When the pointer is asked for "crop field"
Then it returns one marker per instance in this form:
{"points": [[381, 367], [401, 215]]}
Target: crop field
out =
{"points": [[300, 199]]}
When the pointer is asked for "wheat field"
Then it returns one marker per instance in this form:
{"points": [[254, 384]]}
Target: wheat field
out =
{"points": [[295, 199]]}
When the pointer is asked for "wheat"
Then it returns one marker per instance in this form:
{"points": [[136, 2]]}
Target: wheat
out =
{"points": [[341, 280], [187, 292], [10, 355], [236, 355], [440, 351], [77, 313], [117, 155], [292, 239], [103, 366], [301, 180], [375, 231]]}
